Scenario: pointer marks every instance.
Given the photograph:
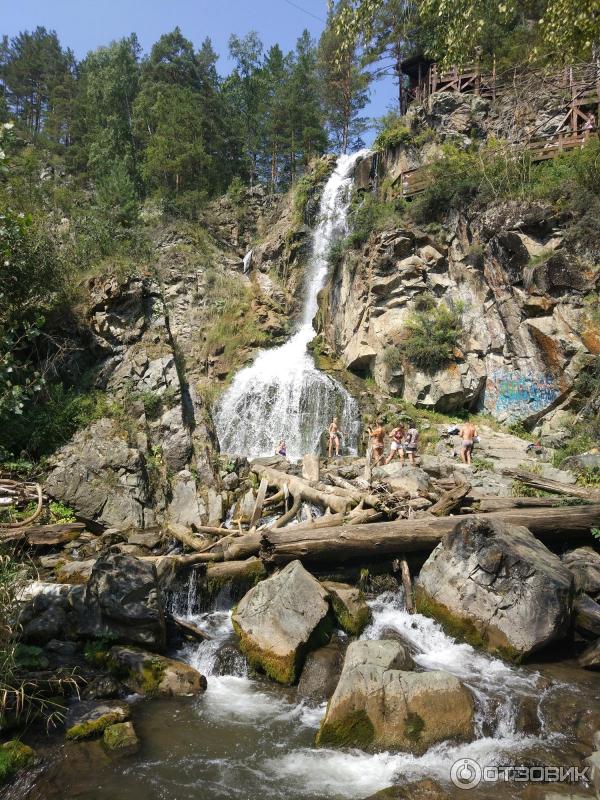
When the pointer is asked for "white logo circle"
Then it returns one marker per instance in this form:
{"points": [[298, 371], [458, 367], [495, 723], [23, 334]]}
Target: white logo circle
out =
{"points": [[466, 773]]}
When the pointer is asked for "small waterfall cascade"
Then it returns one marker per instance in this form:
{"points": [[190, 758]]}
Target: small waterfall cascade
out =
{"points": [[282, 395]]}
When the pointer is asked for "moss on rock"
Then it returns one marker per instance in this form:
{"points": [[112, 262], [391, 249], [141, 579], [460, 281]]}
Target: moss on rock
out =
{"points": [[355, 730], [465, 629], [121, 738], [86, 729], [14, 755]]}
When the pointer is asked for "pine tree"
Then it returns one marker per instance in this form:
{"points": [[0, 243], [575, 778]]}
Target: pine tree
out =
{"points": [[345, 84]]}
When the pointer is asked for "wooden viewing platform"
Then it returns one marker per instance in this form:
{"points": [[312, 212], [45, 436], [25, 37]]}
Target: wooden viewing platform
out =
{"points": [[577, 86]]}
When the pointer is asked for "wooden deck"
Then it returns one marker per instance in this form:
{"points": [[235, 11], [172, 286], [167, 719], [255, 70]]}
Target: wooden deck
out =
{"points": [[415, 181]]}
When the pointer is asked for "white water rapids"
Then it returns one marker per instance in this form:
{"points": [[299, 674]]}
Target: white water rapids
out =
{"points": [[292, 769], [282, 395]]}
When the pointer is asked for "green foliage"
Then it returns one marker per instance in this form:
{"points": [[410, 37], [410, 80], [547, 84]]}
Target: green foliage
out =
{"points": [[59, 512], [117, 196], [432, 333], [14, 755], [595, 533], [50, 421], [370, 214]]}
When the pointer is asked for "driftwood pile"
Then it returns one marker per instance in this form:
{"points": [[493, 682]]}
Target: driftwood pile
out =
{"points": [[364, 522]]}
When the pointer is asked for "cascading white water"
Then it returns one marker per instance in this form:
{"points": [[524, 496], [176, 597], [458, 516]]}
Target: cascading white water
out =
{"points": [[282, 395]]}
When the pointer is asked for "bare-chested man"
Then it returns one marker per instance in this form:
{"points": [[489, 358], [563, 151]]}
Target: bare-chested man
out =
{"points": [[334, 437], [377, 444], [467, 432]]}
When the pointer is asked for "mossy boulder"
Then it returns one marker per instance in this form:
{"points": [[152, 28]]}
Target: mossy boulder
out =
{"points": [[282, 619], [349, 607], [14, 755], [154, 675], [121, 739], [497, 587], [377, 705], [90, 718]]}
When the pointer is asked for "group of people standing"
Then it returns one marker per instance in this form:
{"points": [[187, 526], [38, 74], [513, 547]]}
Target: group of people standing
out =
{"points": [[404, 442]]}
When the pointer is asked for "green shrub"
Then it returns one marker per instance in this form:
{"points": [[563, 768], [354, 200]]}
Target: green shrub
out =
{"points": [[433, 332], [51, 421], [392, 358], [369, 214]]}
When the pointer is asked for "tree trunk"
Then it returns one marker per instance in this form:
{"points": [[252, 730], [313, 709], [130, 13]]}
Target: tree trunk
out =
{"points": [[450, 500], [301, 488], [354, 542], [557, 487]]}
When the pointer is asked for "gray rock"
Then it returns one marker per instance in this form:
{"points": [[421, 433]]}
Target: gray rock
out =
{"points": [[584, 564], [349, 606], [500, 586], [378, 706], [43, 615], [89, 718], [152, 674], [123, 601], [407, 478], [586, 615], [280, 619], [583, 461], [321, 673], [590, 658], [101, 476], [186, 507]]}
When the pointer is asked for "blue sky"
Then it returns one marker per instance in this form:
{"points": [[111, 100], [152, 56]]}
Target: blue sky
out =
{"points": [[85, 24]]}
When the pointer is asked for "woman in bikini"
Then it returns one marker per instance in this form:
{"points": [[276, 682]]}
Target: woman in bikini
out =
{"points": [[397, 436], [334, 437], [377, 443]]}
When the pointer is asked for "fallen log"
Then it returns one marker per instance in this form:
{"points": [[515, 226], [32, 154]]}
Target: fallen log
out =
{"points": [[298, 487], [407, 585], [486, 504], [283, 520], [556, 487], [189, 630], [188, 538], [450, 500], [44, 535], [244, 572], [260, 501], [377, 539]]}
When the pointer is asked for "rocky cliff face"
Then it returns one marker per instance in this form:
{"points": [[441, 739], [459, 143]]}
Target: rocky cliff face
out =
{"points": [[526, 332], [158, 347], [521, 294]]}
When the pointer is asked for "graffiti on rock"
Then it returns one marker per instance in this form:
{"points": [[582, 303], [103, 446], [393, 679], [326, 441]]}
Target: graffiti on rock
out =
{"points": [[518, 395]]}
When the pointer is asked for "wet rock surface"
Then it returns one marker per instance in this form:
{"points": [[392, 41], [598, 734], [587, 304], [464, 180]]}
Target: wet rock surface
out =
{"points": [[498, 587], [277, 620], [377, 705]]}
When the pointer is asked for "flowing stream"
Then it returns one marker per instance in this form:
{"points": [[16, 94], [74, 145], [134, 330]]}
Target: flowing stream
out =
{"points": [[282, 395], [248, 738]]}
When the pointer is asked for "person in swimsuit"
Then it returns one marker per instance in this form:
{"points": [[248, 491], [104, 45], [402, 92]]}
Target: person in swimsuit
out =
{"points": [[377, 443], [397, 437], [467, 432], [281, 449], [411, 442], [334, 437]]}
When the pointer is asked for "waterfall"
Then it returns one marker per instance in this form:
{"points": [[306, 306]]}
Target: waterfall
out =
{"points": [[282, 395]]}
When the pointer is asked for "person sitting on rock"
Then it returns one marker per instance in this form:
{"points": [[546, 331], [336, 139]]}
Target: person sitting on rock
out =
{"points": [[411, 442], [334, 437], [397, 447], [467, 432], [281, 449], [377, 442]]}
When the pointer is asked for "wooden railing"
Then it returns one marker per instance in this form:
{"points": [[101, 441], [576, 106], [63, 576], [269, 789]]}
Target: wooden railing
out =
{"points": [[414, 181]]}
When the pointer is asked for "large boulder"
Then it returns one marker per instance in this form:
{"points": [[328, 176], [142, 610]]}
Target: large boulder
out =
{"points": [[280, 620], [123, 601], [377, 705], [498, 587], [586, 617]]}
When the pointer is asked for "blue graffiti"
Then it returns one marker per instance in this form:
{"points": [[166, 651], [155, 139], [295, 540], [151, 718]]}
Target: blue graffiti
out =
{"points": [[511, 392]]}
